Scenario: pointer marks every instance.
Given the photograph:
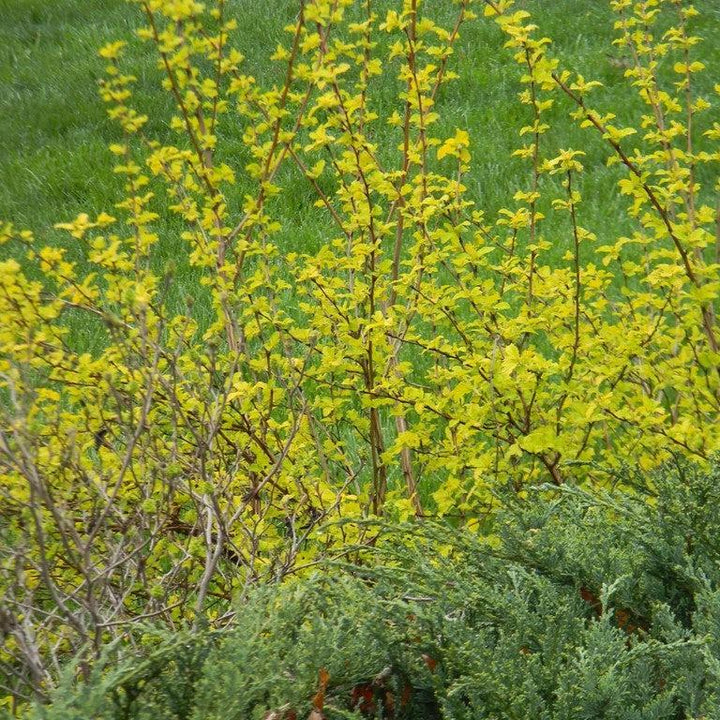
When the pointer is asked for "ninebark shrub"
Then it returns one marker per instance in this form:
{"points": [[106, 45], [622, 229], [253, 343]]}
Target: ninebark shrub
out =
{"points": [[425, 358]]}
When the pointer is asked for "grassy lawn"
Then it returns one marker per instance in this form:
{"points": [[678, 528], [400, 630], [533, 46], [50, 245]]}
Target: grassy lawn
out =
{"points": [[54, 133], [54, 160]]}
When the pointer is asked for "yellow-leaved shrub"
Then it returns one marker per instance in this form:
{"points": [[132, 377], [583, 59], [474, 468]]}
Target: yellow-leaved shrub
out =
{"points": [[426, 357]]}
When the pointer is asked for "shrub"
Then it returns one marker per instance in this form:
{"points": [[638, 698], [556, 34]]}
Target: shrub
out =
{"points": [[592, 605], [206, 447]]}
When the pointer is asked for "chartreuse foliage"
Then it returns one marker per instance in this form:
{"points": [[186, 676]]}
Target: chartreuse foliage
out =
{"points": [[425, 357], [593, 605]]}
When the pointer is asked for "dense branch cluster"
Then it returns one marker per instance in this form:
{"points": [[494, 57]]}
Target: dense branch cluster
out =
{"points": [[424, 358]]}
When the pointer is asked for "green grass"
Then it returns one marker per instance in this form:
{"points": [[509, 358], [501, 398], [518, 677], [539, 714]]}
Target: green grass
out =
{"points": [[53, 157]]}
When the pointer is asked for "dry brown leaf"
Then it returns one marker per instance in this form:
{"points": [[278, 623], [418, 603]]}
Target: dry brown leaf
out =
{"points": [[319, 699]]}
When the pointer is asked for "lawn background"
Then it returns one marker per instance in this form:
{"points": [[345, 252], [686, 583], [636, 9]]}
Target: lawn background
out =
{"points": [[54, 131]]}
